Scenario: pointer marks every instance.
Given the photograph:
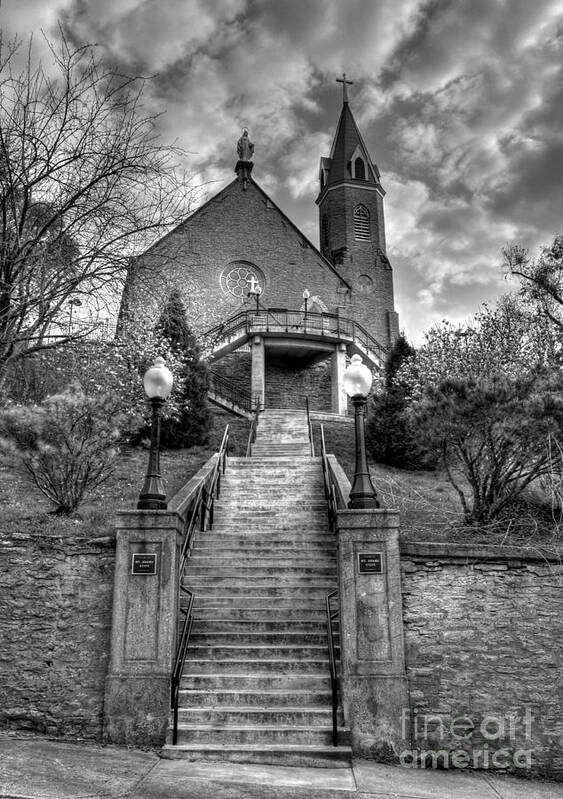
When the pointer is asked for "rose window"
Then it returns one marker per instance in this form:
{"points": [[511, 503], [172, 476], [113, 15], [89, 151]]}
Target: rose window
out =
{"points": [[240, 278]]}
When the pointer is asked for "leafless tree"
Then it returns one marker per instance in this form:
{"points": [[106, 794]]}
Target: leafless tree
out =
{"points": [[541, 279], [85, 185]]}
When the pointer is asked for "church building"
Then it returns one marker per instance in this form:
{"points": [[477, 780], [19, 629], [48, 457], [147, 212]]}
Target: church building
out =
{"points": [[278, 317]]}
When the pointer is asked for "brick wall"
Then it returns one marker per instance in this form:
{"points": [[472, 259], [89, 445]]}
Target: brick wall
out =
{"points": [[371, 299], [484, 643], [55, 617], [235, 225]]}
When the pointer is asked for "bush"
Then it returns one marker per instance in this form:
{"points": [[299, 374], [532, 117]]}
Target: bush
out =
{"points": [[389, 435], [190, 423], [500, 434], [65, 446]]}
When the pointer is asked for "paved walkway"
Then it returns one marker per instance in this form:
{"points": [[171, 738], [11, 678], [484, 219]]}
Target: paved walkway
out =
{"points": [[37, 768]]}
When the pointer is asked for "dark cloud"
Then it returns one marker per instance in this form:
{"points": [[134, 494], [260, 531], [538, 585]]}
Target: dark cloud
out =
{"points": [[459, 101]]}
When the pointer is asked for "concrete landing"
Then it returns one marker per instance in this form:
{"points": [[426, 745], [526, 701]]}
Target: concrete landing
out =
{"points": [[39, 768]]}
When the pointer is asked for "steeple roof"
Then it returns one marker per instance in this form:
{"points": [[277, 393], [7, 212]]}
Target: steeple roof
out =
{"points": [[347, 144]]}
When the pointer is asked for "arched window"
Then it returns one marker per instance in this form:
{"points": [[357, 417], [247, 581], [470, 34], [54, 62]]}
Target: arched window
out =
{"points": [[359, 169], [361, 223], [324, 229]]}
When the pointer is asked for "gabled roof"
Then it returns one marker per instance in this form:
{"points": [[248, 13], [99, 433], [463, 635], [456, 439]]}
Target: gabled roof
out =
{"points": [[254, 184], [347, 139]]}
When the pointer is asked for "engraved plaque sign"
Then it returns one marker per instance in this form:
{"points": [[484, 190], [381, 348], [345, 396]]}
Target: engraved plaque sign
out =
{"points": [[143, 563], [370, 563]]}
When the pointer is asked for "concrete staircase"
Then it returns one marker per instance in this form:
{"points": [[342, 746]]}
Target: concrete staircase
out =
{"points": [[282, 433], [256, 686]]}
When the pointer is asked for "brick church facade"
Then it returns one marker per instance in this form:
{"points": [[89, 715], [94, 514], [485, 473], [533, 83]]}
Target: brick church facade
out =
{"points": [[279, 317]]}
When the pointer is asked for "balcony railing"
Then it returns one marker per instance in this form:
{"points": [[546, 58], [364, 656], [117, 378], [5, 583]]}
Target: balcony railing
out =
{"points": [[304, 323]]}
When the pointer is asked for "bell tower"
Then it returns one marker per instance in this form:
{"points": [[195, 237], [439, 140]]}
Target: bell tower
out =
{"points": [[352, 226]]}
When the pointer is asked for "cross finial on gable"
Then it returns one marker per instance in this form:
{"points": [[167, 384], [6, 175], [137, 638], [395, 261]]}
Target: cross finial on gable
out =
{"points": [[345, 83]]}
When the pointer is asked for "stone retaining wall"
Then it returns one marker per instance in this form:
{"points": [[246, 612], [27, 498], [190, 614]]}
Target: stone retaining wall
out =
{"points": [[55, 618], [484, 647]]}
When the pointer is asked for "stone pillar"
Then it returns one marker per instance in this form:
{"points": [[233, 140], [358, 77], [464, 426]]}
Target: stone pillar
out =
{"points": [[339, 397], [143, 634], [374, 685], [258, 374]]}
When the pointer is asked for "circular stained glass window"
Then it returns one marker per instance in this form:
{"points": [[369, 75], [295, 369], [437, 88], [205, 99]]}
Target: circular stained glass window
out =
{"points": [[365, 284], [241, 277]]}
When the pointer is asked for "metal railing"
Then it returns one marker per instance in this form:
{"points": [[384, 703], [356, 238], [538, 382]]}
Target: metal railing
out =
{"points": [[331, 616], [229, 391], [330, 495], [81, 330], [253, 427], [329, 489], [202, 511], [310, 428], [313, 324]]}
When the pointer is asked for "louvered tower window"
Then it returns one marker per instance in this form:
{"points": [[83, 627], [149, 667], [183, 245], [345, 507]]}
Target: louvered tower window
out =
{"points": [[361, 223], [325, 231], [359, 169]]}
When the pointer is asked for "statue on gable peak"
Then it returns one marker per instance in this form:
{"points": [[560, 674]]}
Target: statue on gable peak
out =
{"points": [[245, 148]]}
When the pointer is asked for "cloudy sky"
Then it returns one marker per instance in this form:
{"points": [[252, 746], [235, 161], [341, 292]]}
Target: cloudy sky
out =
{"points": [[460, 103]]}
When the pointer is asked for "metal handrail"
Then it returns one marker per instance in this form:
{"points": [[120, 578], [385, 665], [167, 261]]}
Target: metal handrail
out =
{"points": [[253, 427], [312, 323], [310, 428], [202, 508], [180, 658], [330, 617], [330, 491], [229, 390]]}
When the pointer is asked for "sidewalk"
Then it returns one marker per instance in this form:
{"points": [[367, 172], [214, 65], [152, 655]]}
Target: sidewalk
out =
{"points": [[37, 768]]}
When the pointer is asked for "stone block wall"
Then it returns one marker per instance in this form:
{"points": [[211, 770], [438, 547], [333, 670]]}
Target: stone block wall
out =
{"points": [[484, 646], [55, 618], [287, 387]]}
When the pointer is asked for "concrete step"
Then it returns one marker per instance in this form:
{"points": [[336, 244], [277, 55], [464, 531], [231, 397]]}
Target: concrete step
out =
{"points": [[259, 734], [319, 586], [255, 666], [203, 555], [238, 506], [296, 590], [239, 715], [273, 754], [263, 638], [257, 624], [270, 699], [224, 568], [268, 536], [257, 681], [254, 652], [245, 565]]}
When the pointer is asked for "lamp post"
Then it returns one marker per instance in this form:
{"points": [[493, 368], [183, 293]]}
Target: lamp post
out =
{"points": [[255, 290], [357, 383], [157, 381], [306, 295], [74, 301]]}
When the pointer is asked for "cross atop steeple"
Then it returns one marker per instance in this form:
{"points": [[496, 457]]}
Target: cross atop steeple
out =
{"points": [[345, 83]]}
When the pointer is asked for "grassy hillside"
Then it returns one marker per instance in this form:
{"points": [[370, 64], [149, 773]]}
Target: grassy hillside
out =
{"points": [[430, 508], [25, 509]]}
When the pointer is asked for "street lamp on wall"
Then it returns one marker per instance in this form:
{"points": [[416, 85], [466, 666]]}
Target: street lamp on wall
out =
{"points": [[357, 383], [158, 382]]}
